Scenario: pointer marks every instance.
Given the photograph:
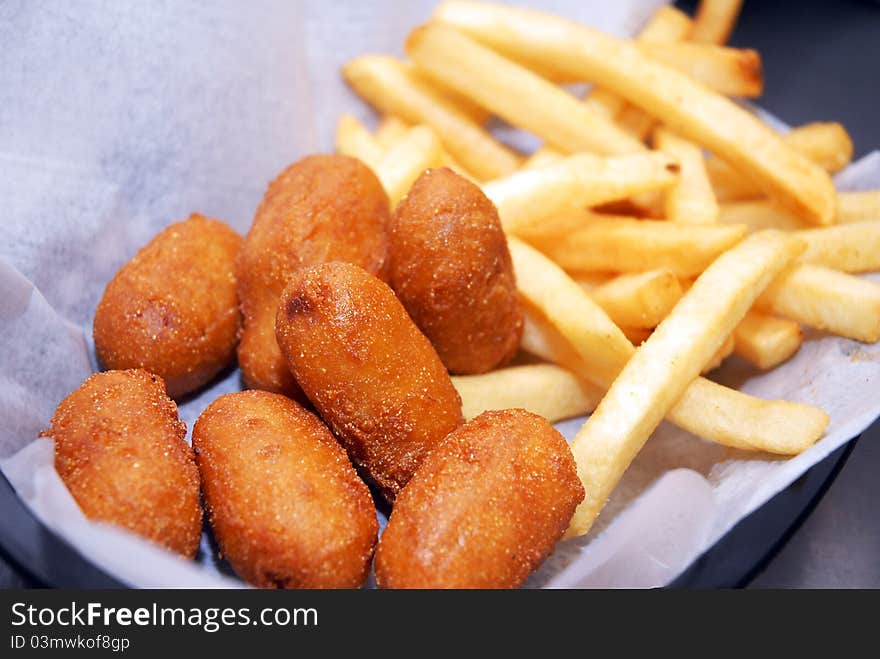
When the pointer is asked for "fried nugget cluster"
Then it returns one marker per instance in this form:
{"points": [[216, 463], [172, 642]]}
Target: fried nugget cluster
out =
{"points": [[350, 320]]}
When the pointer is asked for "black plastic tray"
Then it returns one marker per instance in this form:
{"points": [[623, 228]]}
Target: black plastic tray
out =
{"points": [[45, 560]]}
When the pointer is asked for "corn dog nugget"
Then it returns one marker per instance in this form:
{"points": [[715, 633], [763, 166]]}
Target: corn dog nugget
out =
{"points": [[173, 310], [451, 269], [372, 375], [120, 450], [287, 508], [485, 508], [322, 208]]}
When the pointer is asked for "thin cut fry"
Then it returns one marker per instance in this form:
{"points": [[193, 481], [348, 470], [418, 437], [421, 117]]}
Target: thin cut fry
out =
{"points": [[685, 106], [391, 129], [728, 71], [825, 143], [514, 93], [766, 341], [760, 214], [853, 247], [639, 245], [827, 300], [663, 367], [418, 150], [387, 85], [725, 351], [609, 103], [542, 157], [691, 199], [858, 206], [353, 139], [668, 24], [639, 300], [546, 389], [715, 20], [528, 198], [581, 336]]}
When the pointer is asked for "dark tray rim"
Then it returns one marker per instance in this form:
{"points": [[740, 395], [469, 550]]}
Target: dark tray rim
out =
{"points": [[44, 559]]}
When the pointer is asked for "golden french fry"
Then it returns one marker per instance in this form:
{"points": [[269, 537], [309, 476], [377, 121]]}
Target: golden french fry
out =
{"points": [[638, 300], [606, 102], [663, 367], [728, 71], [766, 341], [853, 247], [715, 20], [725, 351], [542, 157], [691, 199], [761, 214], [825, 143], [639, 245], [858, 206], [514, 93], [419, 149], [386, 84], [475, 111], [353, 139], [529, 198], [827, 300], [390, 131], [668, 25], [687, 107], [546, 389], [636, 335], [706, 409]]}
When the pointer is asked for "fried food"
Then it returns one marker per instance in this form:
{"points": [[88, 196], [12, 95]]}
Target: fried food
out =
{"points": [[322, 208], [373, 376], [451, 269], [287, 508], [120, 450], [485, 508], [172, 309]]}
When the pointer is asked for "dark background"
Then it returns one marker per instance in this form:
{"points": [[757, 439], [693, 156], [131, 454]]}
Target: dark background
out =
{"points": [[821, 62]]}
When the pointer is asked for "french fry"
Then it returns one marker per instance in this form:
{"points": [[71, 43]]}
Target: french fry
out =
{"points": [[728, 71], [715, 20], [353, 139], [636, 335], [528, 198], [419, 149], [475, 111], [827, 300], [761, 214], [514, 93], [668, 24], [685, 106], [725, 351], [581, 335], [639, 300], [691, 199], [546, 389], [542, 157], [825, 143], [386, 84], [858, 206], [853, 247], [663, 367], [390, 131], [606, 102], [766, 341], [639, 245]]}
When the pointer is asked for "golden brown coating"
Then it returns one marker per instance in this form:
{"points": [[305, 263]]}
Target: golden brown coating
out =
{"points": [[287, 508], [451, 268], [322, 208], [120, 449], [485, 508], [370, 372], [173, 309]]}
